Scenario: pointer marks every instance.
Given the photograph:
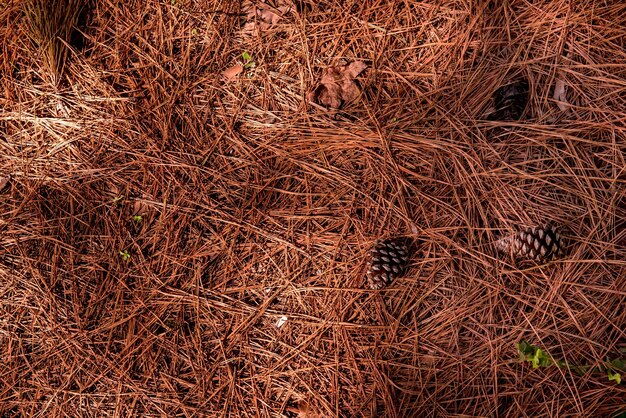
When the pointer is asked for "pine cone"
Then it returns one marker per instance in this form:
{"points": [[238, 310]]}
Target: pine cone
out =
{"points": [[510, 101], [543, 243], [388, 259]]}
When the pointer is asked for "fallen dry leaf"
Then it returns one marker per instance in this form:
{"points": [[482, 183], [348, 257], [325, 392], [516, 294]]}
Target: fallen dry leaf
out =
{"points": [[141, 206], [304, 410], [230, 74], [4, 182], [261, 16], [560, 95], [337, 85]]}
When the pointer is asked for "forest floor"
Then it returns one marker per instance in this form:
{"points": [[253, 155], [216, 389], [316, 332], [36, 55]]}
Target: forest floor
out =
{"points": [[186, 215]]}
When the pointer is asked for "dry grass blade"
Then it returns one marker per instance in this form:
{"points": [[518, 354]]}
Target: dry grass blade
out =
{"points": [[51, 24]]}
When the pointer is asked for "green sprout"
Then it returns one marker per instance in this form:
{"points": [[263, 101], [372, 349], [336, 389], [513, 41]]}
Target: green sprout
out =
{"points": [[539, 358], [248, 61], [137, 218], [534, 355], [125, 255], [118, 199], [614, 376]]}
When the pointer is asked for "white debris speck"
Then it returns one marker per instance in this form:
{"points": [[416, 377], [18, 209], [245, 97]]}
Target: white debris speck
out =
{"points": [[281, 321]]}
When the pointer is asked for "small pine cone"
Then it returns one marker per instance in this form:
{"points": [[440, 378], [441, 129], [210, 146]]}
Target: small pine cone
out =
{"points": [[388, 259], [542, 243], [510, 101]]}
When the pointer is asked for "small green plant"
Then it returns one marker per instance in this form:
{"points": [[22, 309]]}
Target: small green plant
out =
{"points": [[137, 218], [534, 355], [125, 255], [540, 358], [614, 376], [248, 61], [118, 200]]}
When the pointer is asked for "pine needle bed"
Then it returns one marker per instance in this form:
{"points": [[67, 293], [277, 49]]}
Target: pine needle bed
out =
{"points": [[180, 241]]}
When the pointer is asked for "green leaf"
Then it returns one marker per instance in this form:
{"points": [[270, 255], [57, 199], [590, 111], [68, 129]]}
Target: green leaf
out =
{"points": [[125, 255], [614, 377], [618, 364], [534, 359], [137, 218], [525, 349], [546, 360], [248, 61], [535, 355], [118, 200]]}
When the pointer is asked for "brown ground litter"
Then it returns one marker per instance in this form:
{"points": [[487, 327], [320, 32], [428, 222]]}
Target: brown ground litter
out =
{"points": [[157, 221]]}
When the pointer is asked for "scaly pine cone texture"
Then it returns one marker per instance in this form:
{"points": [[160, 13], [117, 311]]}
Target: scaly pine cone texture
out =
{"points": [[543, 243], [388, 260]]}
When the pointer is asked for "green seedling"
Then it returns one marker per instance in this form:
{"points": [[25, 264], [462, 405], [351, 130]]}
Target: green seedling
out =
{"points": [[137, 218], [248, 61], [118, 200], [534, 355], [614, 376], [539, 358], [125, 255]]}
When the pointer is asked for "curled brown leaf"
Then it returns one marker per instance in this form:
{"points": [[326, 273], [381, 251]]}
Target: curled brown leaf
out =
{"points": [[141, 205], [305, 410], [4, 183], [231, 73], [261, 16], [337, 85]]}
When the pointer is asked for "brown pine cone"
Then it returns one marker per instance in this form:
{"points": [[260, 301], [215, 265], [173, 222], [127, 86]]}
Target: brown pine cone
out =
{"points": [[542, 243], [388, 260]]}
